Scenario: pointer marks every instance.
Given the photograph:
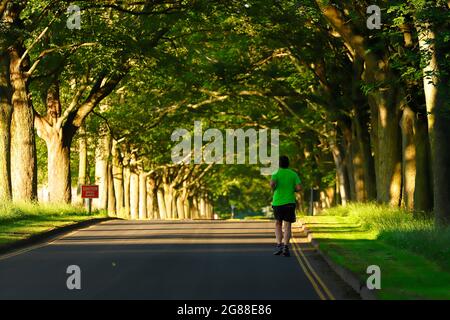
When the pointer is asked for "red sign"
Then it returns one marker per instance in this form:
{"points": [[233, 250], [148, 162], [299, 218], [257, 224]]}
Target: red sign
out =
{"points": [[89, 192]]}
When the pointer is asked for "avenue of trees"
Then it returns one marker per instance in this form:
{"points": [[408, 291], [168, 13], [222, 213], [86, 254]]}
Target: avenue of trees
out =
{"points": [[363, 113]]}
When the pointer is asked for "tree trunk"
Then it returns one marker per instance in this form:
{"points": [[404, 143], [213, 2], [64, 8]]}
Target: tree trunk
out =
{"points": [[423, 195], [174, 205], [58, 143], [202, 207], [156, 212], [101, 168], [82, 162], [388, 146], [386, 133], [150, 204], [126, 187], [59, 179], [437, 93], [194, 208], [180, 207], [112, 210], [187, 208], [358, 170], [427, 39], [134, 195], [365, 157], [151, 212], [142, 195], [340, 172], [441, 161], [185, 201], [5, 130], [441, 151], [209, 209], [58, 139], [23, 145], [383, 100], [118, 181], [349, 176], [299, 201], [168, 198], [330, 197], [409, 157], [161, 204], [348, 162]]}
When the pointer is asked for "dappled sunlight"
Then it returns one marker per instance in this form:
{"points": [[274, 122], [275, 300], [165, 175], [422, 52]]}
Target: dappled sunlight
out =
{"points": [[176, 232], [159, 120]]}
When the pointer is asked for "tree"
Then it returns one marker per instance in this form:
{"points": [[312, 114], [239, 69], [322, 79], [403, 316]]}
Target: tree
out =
{"points": [[100, 73], [432, 23]]}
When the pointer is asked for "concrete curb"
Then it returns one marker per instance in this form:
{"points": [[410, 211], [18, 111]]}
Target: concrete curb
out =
{"points": [[346, 275], [47, 235]]}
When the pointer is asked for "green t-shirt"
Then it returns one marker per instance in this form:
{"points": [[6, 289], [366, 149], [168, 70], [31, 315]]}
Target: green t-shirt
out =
{"points": [[286, 180]]}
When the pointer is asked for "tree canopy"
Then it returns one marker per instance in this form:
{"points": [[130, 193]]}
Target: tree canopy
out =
{"points": [[362, 112]]}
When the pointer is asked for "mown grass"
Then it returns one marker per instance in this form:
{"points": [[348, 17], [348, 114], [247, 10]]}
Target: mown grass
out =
{"points": [[245, 216], [413, 254], [21, 220]]}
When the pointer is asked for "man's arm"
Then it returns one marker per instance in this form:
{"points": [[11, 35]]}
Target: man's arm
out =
{"points": [[298, 186], [273, 184]]}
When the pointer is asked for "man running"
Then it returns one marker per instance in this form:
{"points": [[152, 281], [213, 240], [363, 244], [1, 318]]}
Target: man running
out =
{"points": [[285, 182]]}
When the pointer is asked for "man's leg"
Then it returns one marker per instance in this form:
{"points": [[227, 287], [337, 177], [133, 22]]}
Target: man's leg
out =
{"points": [[279, 237], [287, 237], [287, 233], [278, 231]]}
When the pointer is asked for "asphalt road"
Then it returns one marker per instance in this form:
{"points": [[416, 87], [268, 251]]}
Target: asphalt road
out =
{"points": [[159, 260]]}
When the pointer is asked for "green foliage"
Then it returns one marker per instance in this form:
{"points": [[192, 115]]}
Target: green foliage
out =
{"points": [[230, 64]]}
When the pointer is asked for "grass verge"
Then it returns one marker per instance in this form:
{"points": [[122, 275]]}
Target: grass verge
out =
{"points": [[19, 221], [413, 255]]}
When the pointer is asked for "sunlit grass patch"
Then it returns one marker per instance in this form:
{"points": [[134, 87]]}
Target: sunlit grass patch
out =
{"points": [[412, 252], [19, 210], [21, 220]]}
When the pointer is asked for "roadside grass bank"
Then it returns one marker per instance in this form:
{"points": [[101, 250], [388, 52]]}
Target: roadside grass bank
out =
{"points": [[245, 216], [20, 221], [413, 254]]}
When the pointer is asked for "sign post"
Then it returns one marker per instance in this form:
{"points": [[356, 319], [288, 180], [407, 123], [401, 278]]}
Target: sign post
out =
{"points": [[89, 192]]}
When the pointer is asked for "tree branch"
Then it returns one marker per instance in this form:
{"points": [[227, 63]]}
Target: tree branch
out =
{"points": [[101, 89], [3, 5], [44, 53], [336, 18], [73, 105], [41, 35], [119, 7]]}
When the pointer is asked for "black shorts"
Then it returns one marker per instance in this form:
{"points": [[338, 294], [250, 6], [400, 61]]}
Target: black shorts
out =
{"points": [[285, 212]]}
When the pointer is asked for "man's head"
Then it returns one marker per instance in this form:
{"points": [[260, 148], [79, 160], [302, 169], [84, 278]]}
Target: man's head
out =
{"points": [[284, 162]]}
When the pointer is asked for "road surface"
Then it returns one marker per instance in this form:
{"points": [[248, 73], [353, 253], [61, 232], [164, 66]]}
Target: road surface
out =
{"points": [[163, 260]]}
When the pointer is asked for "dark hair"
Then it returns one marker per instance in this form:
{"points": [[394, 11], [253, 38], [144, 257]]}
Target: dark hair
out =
{"points": [[284, 162]]}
